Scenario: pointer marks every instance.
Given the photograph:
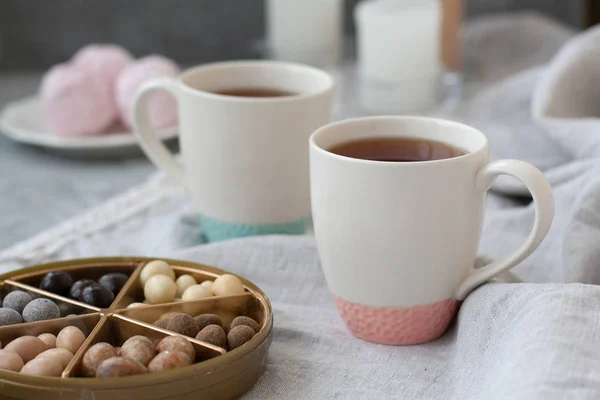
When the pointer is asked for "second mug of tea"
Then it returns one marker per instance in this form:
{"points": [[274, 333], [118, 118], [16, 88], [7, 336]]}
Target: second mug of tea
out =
{"points": [[243, 133], [398, 206]]}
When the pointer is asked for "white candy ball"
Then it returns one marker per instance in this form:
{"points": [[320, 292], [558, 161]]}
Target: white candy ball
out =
{"points": [[160, 289], [184, 282], [226, 285], [196, 292], [156, 267], [207, 284], [136, 305]]}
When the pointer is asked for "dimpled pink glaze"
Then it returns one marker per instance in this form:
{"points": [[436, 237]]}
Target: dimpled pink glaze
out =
{"points": [[398, 325]]}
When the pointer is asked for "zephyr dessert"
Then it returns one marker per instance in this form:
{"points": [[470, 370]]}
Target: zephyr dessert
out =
{"points": [[114, 325]]}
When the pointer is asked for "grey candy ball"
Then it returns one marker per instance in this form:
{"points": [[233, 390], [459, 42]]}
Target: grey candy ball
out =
{"points": [[40, 310], [17, 300], [8, 316]]}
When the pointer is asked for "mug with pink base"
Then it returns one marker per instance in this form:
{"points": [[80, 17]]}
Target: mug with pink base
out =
{"points": [[398, 240]]}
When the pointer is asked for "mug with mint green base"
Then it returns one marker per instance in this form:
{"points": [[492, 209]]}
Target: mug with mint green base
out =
{"points": [[244, 158], [217, 231]]}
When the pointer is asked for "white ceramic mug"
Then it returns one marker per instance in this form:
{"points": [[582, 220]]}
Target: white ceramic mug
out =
{"points": [[245, 159], [398, 240]]}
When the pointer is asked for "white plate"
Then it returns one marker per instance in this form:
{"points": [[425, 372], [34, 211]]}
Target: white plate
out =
{"points": [[22, 121]]}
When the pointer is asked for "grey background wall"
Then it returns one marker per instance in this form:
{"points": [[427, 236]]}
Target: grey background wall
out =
{"points": [[35, 34]]}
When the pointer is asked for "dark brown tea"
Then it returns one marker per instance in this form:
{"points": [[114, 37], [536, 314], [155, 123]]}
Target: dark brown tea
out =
{"points": [[397, 149], [255, 92]]}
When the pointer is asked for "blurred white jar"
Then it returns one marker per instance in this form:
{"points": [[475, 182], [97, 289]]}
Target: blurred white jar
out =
{"points": [[305, 31], [399, 45]]}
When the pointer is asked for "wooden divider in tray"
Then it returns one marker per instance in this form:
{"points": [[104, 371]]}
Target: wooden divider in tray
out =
{"points": [[117, 323]]}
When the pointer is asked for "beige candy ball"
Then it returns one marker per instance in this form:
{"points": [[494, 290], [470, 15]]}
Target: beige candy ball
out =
{"points": [[70, 338], [119, 366], [48, 339], [63, 356], [169, 360], [43, 367], [227, 285], [196, 292], [184, 282], [27, 347], [156, 267], [10, 361], [176, 343], [160, 289], [138, 348], [95, 356]]}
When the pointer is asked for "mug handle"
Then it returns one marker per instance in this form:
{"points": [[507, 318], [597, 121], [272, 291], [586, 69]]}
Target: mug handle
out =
{"points": [[543, 199], [151, 144]]}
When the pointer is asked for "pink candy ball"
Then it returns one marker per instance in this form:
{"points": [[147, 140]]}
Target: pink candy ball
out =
{"points": [[74, 103], [104, 61], [163, 107]]}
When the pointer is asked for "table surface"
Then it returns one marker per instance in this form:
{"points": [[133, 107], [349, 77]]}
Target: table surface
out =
{"points": [[40, 189]]}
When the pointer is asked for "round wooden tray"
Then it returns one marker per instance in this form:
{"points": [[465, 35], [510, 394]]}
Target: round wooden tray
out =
{"points": [[217, 374]]}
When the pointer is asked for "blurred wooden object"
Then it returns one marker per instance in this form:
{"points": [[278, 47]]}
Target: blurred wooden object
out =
{"points": [[451, 38], [592, 12]]}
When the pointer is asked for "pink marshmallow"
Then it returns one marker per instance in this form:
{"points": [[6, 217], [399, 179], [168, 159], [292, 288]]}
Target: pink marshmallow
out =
{"points": [[163, 107], [104, 61], [74, 103]]}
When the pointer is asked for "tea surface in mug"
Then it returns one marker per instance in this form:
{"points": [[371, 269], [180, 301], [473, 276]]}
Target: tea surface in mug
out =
{"points": [[255, 92], [397, 149]]}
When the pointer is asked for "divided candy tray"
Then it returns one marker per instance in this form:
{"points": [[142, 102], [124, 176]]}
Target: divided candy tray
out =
{"points": [[215, 373]]}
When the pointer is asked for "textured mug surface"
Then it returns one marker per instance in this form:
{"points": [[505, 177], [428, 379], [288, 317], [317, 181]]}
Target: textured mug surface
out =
{"points": [[398, 240], [245, 159]]}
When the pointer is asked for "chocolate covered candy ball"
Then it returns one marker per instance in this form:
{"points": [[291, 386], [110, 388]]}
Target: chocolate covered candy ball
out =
{"points": [[116, 367], [161, 323], [27, 347], [8, 316], [58, 282], [63, 356], [213, 334], [95, 356], [156, 267], [114, 281], [66, 309], [10, 361], [97, 296], [238, 336], [43, 367], [70, 338], [17, 300], [227, 285], [204, 320], [169, 360], [183, 324], [160, 289], [40, 310], [176, 343], [77, 288], [138, 348], [237, 321]]}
